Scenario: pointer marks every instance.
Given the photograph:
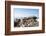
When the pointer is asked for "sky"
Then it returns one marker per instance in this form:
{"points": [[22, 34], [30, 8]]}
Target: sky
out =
{"points": [[25, 12]]}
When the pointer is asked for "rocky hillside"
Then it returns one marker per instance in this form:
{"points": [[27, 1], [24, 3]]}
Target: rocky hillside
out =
{"points": [[26, 22]]}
